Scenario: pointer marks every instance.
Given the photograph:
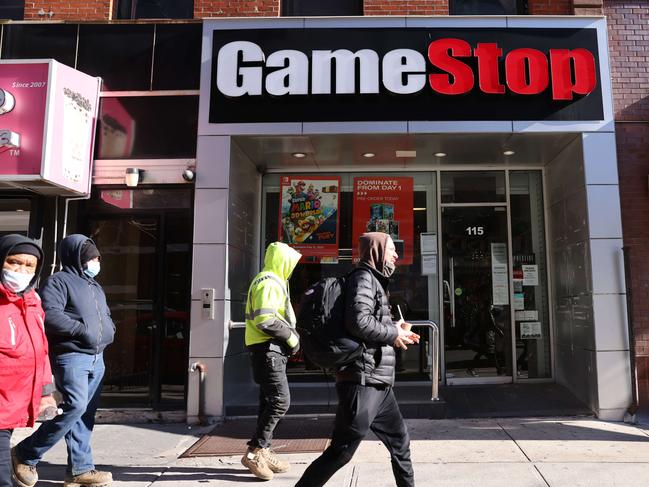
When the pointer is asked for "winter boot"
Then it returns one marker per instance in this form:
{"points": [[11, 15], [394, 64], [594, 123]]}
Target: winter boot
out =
{"points": [[274, 463], [255, 461], [23, 475], [92, 478]]}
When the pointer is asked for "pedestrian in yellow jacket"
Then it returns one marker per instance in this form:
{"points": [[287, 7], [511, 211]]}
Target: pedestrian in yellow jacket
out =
{"points": [[271, 339]]}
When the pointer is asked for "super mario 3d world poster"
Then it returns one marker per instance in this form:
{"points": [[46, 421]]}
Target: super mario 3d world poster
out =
{"points": [[309, 216]]}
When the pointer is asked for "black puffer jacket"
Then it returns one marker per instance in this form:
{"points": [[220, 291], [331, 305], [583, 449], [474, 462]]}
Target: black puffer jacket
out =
{"points": [[77, 318], [367, 317]]}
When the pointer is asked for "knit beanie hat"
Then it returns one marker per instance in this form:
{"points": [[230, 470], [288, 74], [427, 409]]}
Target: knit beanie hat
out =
{"points": [[88, 252]]}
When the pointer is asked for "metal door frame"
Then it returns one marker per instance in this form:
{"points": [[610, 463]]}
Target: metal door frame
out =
{"points": [[506, 204]]}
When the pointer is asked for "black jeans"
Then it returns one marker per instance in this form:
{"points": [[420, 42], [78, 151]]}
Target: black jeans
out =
{"points": [[5, 459], [361, 409], [269, 371]]}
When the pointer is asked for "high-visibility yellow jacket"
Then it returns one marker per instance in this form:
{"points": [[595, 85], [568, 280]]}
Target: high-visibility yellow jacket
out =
{"points": [[269, 314]]}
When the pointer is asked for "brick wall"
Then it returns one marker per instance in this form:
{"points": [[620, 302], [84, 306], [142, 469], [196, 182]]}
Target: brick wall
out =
{"points": [[103, 9], [629, 45], [405, 7], [204, 9], [69, 9]]}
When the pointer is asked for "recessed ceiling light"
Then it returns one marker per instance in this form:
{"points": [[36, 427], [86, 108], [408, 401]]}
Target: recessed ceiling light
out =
{"points": [[440, 154], [509, 153], [368, 154], [299, 155]]}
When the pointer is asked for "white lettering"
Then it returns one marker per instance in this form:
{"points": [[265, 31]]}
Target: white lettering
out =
{"points": [[400, 64], [345, 71], [293, 79], [9, 139], [233, 80]]}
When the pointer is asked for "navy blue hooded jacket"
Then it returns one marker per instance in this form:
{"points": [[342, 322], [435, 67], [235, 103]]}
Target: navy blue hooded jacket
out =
{"points": [[77, 318]]}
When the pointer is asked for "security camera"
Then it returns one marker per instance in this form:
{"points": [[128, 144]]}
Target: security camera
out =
{"points": [[189, 175]]}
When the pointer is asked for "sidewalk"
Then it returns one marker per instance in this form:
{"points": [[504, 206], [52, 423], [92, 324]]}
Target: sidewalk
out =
{"points": [[517, 452]]}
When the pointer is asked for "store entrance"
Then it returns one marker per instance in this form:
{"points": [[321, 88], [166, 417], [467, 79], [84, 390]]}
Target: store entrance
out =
{"points": [[476, 293], [145, 241]]}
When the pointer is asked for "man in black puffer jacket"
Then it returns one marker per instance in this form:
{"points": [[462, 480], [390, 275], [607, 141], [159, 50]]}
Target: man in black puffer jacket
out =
{"points": [[78, 327], [365, 397]]}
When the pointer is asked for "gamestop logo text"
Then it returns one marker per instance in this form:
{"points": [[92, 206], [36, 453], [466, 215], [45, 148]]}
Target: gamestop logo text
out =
{"points": [[566, 73]]}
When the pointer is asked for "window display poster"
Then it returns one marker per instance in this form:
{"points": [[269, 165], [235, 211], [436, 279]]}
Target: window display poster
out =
{"points": [[531, 330], [499, 277], [385, 204], [428, 264], [309, 216], [530, 275]]}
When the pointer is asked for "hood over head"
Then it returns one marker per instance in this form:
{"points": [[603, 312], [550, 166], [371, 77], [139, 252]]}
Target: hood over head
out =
{"points": [[371, 249], [70, 252], [281, 259], [19, 244]]}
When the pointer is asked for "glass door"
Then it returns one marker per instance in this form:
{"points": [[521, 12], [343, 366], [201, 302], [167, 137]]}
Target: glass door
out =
{"points": [[476, 296], [129, 251]]}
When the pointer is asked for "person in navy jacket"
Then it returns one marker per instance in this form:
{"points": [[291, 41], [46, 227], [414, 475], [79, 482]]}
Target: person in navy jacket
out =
{"points": [[79, 327]]}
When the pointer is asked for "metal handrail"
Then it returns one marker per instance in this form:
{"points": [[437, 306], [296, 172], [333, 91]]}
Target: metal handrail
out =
{"points": [[434, 350], [434, 354]]}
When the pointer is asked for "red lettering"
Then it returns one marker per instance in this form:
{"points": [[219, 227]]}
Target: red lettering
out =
{"points": [[527, 71], [439, 54], [488, 75], [585, 78]]}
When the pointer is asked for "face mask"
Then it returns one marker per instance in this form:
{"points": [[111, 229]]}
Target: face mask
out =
{"points": [[388, 269], [92, 268], [16, 281]]}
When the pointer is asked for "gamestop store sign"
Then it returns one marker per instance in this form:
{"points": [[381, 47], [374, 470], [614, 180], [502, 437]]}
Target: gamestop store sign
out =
{"points": [[419, 74]]}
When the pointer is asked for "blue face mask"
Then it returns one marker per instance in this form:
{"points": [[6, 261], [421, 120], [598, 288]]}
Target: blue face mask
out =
{"points": [[92, 268]]}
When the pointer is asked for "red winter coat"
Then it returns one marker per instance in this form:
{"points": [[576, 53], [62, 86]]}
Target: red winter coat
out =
{"points": [[24, 363]]}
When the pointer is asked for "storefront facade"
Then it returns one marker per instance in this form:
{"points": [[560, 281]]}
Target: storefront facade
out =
{"points": [[484, 146], [497, 178]]}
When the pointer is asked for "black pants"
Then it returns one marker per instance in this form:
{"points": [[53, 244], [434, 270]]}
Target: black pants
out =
{"points": [[269, 371], [5, 459], [361, 408]]}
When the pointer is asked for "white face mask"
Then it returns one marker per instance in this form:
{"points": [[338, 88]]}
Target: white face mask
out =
{"points": [[92, 268], [16, 281]]}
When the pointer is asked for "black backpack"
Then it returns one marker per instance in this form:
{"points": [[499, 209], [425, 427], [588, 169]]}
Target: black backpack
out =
{"points": [[321, 326]]}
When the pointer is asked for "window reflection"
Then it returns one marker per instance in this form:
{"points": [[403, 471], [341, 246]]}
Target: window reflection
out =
{"points": [[35, 41], [120, 53], [147, 127], [487, 7]]}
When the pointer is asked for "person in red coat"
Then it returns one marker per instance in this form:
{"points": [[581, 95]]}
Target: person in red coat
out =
{"points": [[26, 384]]}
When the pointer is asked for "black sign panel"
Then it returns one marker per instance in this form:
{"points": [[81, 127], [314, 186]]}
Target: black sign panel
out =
{"points": [[425, 104]]}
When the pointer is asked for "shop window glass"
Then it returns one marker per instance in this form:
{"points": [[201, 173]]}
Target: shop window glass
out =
{"points": [[120, 53], [532, 323], [415, 291], [177, 59], [473, 187], [12, 10], [155, 9], [14, 216], [305, 8], [488, 7], [151, 127], [40, 41]]}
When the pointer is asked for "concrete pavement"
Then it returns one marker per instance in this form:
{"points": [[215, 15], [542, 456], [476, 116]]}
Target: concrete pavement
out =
{"points": [[525, 452]]}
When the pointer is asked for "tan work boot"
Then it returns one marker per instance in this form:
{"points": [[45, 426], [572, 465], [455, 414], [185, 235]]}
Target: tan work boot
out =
{"points": [[92, 478], [23, 475], [274, 463], [255, 461]]}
